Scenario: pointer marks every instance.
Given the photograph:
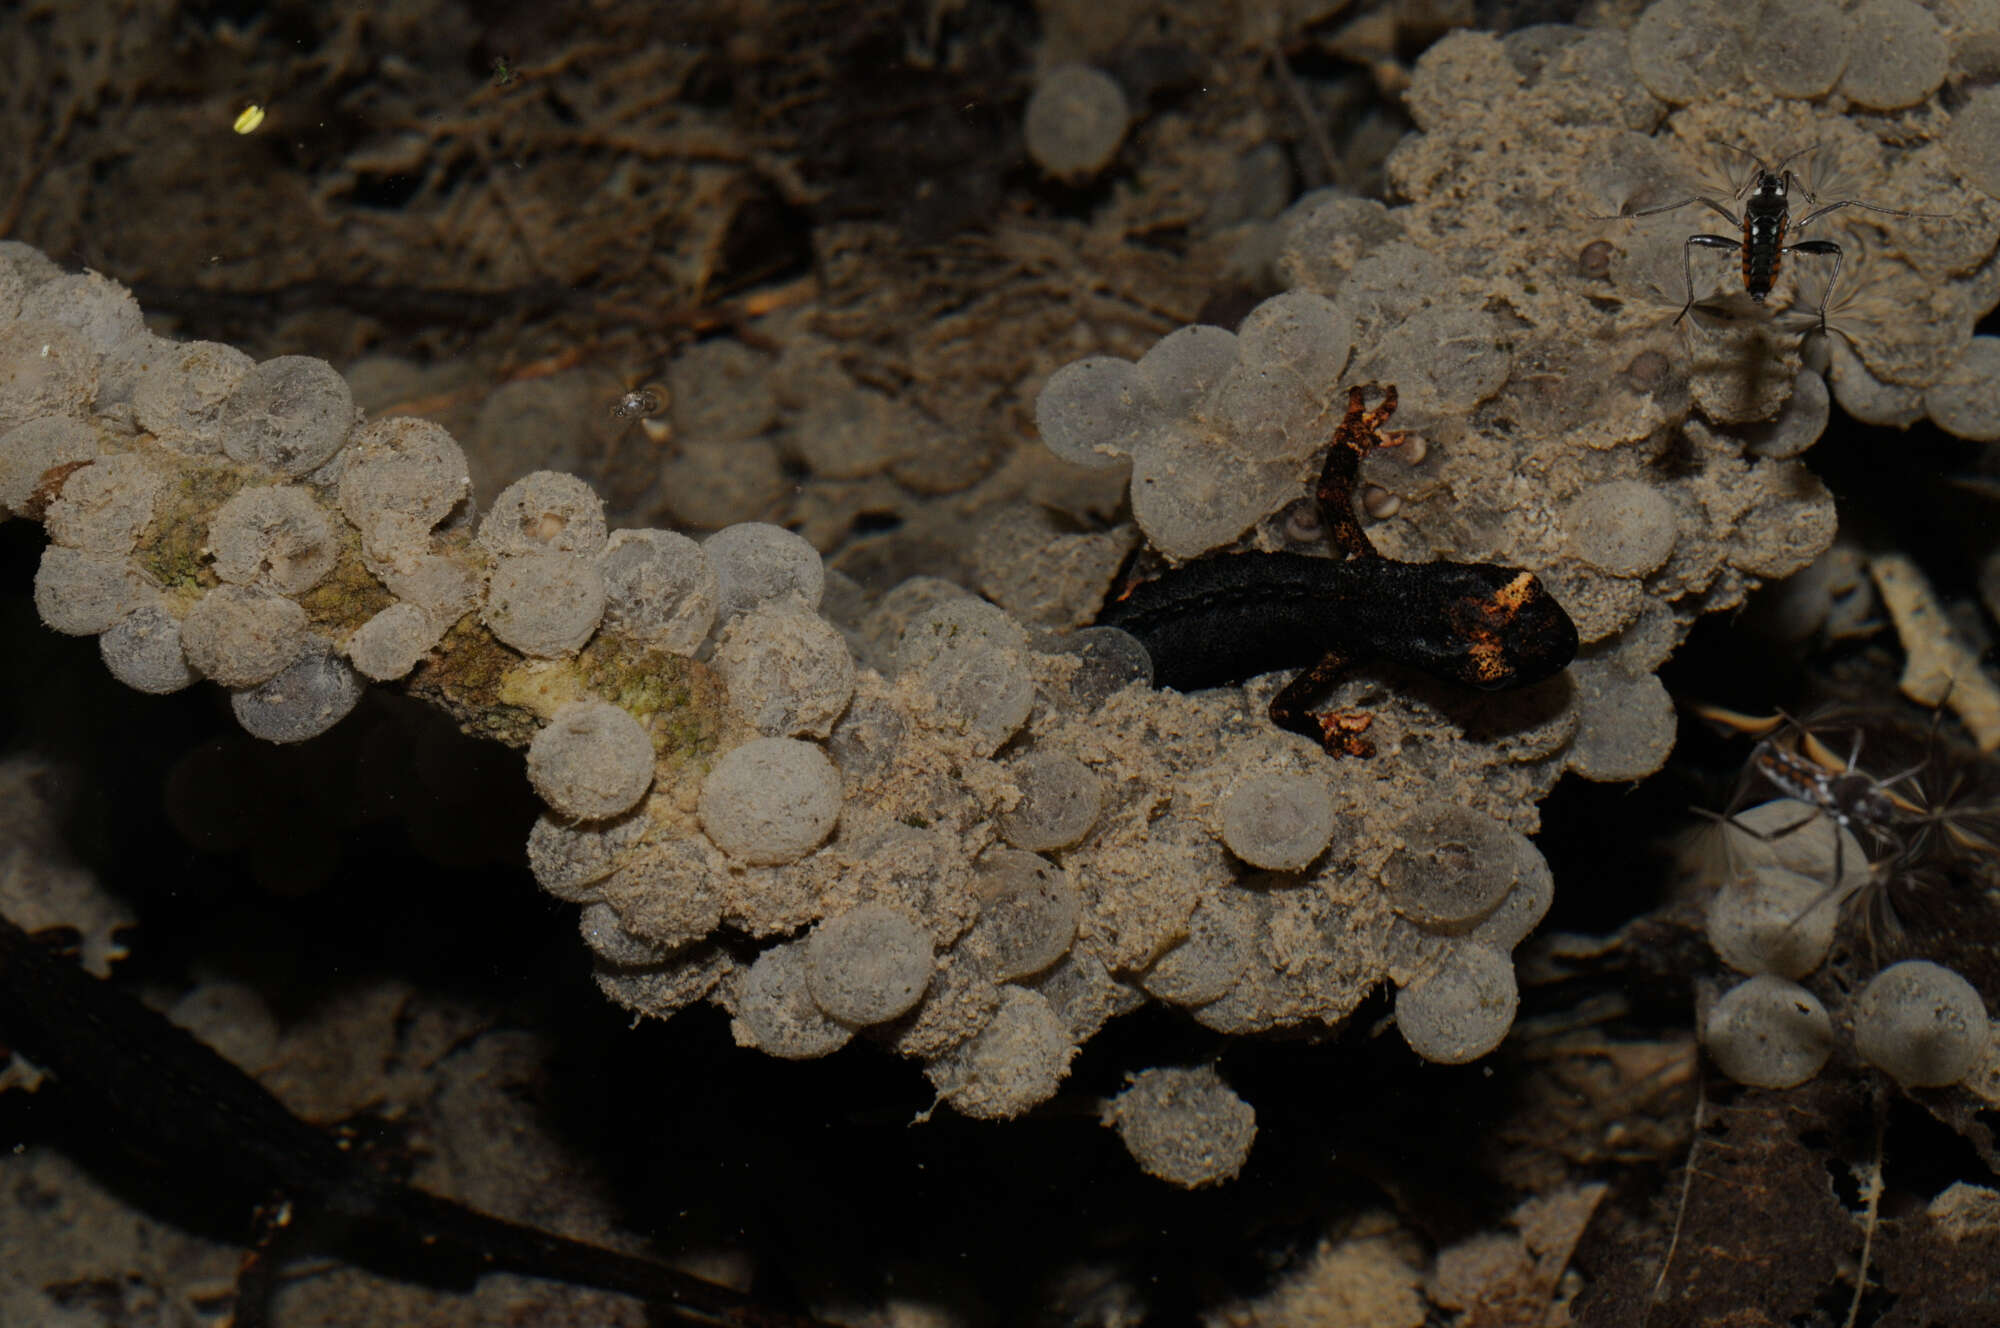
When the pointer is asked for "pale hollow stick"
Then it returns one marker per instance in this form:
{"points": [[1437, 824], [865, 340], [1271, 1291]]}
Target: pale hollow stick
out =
{"points": [[1941, 669]]}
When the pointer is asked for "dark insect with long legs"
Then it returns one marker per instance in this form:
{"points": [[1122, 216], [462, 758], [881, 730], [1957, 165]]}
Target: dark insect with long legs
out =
{"points": [[1912, 825], [1765, 228], [1792, 759]]}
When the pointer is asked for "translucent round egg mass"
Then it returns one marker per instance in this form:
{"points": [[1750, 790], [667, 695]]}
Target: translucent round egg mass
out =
{"points": [[239, 636], [304, 699], [659, 587], [1780, 906], [591, 761], [755, 563], [607, 938], [178, 397], [1768, 1032], [548, 511], [1453, 868], [789, 671], [1014, 1063], [59, 374], [1091, 410], [274, 536], [83, 594], [1462, 1011], [1921, 1024], [37, 447], [290, 414], [1061, 800], [667, 894], [544, 603], [1027, 914], [775, 1011], [402, 467], [1184, 1126], [1075, 119], [391, 642], [1207, 962], [143, 651], [1966, 400], [1279, 821], [1624, 528], [770, 801], [571, 860], [972, 659], [103, 507], [869, 964]]}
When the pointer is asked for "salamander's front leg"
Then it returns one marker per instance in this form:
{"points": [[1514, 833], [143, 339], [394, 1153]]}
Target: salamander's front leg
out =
{"points": [[1358, 434], [1338, 732], [272, 1236]]}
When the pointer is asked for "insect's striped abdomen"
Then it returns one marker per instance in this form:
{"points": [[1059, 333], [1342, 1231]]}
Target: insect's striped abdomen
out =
{"points": [[1763, 249]]}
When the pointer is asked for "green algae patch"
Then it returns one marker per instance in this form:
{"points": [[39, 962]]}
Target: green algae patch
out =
{"points": [[350, 595], [496, 692], [469, 675], [681, 701], [173, 550]]}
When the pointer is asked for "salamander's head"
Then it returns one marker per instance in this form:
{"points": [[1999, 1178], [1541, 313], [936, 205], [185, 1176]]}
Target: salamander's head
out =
{"points": [[1493, 627]]}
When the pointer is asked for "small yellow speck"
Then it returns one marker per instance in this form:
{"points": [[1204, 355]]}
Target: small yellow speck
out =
{"points": [[253, 115]]}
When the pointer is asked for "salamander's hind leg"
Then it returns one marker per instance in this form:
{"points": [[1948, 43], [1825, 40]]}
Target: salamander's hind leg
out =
{"points": [[1358, 433], [1338, 732]]}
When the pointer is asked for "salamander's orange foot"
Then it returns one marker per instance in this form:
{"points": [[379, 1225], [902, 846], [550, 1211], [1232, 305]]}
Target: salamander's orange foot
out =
{"points": [[1342, 733], [1360, 430]]}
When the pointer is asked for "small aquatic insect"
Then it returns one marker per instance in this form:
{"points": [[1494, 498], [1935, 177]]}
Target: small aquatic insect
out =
{"points": [[641, 403], [1913, 825], [1793, 759], [1766, 228], [647, 405]]}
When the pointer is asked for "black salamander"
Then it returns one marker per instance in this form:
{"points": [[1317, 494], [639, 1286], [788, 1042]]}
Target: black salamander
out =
{"points": [[176, 1100], [1223, 619]]}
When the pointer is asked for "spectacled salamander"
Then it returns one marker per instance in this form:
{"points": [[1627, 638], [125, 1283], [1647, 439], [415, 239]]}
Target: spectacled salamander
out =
{"points": [[1229, 617]]}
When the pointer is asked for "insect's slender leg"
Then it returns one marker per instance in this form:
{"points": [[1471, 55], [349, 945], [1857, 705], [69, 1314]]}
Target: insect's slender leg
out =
{"points": [[1687, 264], [1730, 820], [1821, 209], [1903, 802], [1726, 214], [1821, 247], [1832, 890]]}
